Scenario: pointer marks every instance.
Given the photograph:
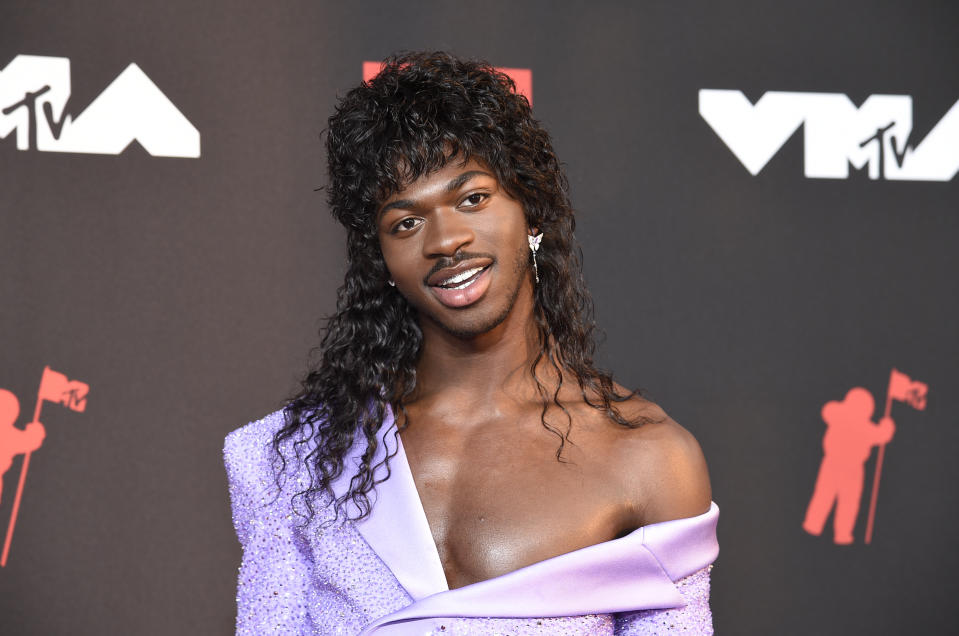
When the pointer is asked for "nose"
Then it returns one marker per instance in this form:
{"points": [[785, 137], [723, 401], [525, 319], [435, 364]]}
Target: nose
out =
{"points": [[447, 231]]}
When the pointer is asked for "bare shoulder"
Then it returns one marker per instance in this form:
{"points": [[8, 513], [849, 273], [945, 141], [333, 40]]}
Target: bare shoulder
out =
{"points": [[660, 465]]}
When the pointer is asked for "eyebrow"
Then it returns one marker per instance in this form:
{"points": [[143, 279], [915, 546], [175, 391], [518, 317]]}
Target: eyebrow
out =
{"points": [[455, 184]]}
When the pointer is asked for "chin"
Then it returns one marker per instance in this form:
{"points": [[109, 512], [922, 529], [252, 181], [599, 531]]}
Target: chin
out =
{"points": [[472, 327]]}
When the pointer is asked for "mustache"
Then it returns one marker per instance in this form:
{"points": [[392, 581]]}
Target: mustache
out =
{"points": [[456, 259]]}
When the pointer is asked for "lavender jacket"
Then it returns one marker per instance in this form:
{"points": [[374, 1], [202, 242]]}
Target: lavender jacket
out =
{"points": [[383, 575]]}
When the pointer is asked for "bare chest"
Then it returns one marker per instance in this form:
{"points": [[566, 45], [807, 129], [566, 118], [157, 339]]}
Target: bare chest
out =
{"points": [[498, 503]]}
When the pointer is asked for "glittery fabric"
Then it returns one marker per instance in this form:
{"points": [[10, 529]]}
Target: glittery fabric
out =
{"points": [[694, 618], [323, 577]]}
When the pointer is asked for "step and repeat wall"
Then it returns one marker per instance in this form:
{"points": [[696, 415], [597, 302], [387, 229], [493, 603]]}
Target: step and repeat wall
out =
{"points": [[769, 213]]}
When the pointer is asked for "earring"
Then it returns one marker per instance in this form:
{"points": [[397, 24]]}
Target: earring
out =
{"points": [[534, 241], [392, 284]]}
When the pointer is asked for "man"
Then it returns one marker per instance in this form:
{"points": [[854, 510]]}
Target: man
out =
{"points": [[455, 462]]}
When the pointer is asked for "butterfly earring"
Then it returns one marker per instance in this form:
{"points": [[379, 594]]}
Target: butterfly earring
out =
{"points": [[534, 241]]}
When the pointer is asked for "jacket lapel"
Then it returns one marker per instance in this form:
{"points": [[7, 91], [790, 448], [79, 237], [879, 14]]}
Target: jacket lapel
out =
{"points": [[396, 529]]}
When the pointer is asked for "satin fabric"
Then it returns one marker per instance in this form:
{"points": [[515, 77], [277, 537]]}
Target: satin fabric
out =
{"points": [[634, 572]]}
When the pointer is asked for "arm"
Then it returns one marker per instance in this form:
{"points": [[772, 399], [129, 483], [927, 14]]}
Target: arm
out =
{"points": [[883, 432], [668, 479], [664, 473], [274, 578], [35, 433]]}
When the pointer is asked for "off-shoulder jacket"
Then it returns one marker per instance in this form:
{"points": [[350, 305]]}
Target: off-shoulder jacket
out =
{"points": [[382, 575]]}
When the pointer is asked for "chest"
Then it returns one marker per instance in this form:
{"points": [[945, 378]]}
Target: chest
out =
{"points": [[497, 499]]}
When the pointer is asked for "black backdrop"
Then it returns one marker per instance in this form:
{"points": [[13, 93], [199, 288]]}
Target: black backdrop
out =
{"points": [[186, 292]]}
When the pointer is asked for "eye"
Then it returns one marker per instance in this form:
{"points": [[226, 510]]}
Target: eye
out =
{"points": [[474, 199], [405, 225]]}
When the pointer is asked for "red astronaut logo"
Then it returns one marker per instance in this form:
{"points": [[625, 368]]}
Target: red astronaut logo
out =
{"points": [[522, 77], [847, 444], [54, 387]]}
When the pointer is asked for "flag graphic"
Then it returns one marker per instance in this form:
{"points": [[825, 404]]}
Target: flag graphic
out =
{"points": [[904, 389], [55, 387]]}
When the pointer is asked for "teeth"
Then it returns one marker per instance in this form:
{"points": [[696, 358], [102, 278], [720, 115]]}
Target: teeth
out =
{"points": [[463, 286], [459, 278]]}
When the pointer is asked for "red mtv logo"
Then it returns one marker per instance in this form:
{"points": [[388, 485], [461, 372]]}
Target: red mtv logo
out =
{"points": [[847, 444], [54, 387], [522, 77]]}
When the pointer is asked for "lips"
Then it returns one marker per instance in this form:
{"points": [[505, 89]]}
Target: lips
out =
{"points": [[461, 285]]}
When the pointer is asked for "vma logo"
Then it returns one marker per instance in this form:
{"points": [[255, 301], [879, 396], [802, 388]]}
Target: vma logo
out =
{"points": [[34, 98], [836, 134]]}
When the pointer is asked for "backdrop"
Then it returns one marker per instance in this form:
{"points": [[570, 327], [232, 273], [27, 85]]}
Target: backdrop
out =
{"points": [[768, 210]]}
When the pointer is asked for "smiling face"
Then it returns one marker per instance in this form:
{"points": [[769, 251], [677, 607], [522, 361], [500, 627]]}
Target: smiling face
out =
{"points": [[455, 244]]}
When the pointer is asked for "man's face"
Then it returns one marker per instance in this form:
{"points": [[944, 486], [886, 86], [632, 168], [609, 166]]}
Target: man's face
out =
{"points": [[455, 244]]}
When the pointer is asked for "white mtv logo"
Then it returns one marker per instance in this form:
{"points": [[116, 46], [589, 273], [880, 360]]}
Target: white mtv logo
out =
{"points": [[33, 96], [836, 133]]}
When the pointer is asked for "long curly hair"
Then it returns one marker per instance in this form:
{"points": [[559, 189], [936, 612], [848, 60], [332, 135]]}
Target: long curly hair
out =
{"points": [[421, 111]]}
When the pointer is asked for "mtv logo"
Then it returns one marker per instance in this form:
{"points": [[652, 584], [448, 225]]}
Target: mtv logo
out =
{"points": [[34, 93], [837, 134], [522, 77]]}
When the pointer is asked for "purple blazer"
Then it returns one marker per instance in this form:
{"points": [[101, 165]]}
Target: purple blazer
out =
{"points": [[383, 575]]}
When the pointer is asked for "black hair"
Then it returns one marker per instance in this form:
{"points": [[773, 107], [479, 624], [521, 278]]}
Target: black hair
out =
{"points": [[419, 112]]}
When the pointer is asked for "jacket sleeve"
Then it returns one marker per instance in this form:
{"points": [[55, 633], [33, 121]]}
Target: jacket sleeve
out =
{"points": [[274, 577], [693, 618]]}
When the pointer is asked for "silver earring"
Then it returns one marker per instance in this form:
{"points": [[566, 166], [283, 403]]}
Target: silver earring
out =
{"points": [[392, 284], [534, 241]]}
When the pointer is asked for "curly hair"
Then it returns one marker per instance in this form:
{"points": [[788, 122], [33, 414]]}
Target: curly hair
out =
{"points": [[421, 111]]}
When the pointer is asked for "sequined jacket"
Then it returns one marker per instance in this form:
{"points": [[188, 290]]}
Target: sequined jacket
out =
{"points": [[383, 575]]}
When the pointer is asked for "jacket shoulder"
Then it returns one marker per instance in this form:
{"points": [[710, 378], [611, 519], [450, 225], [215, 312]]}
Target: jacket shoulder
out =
{"points": [[251, 444], [248, 452], [254, 435], [250, 459]]}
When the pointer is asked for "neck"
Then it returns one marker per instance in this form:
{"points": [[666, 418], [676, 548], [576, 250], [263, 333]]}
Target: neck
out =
{"points": [[483, 369]]}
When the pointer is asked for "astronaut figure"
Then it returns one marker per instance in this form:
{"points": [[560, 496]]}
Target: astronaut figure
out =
{"points": [[14, 441], [850, 436]]}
